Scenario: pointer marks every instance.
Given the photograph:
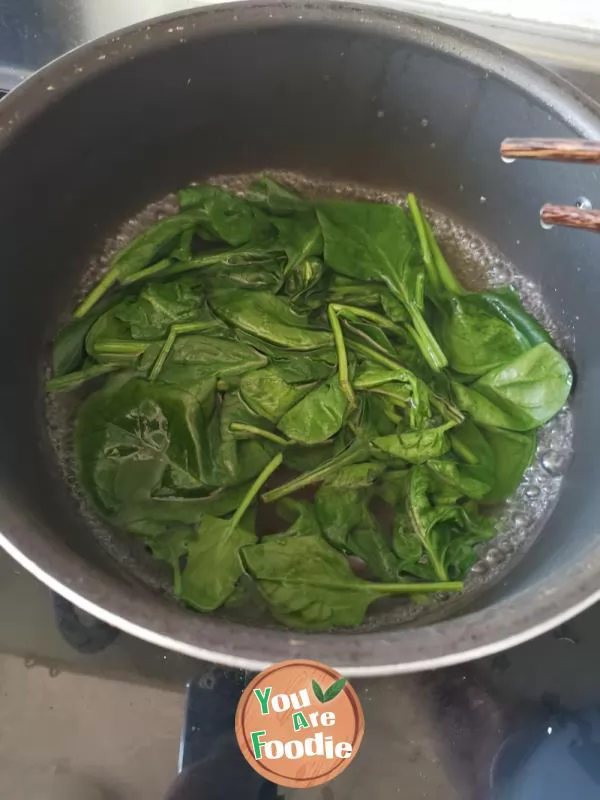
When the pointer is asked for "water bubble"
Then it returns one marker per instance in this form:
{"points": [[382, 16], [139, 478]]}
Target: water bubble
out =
{"points": [[424, 122], [519, 521], [532, 492], [553, 462], [482, 199], [583, 202], [494, 556], [29, 663], [433, 145], [508, 160], [506, 546], [461, 188], [380, 114]]}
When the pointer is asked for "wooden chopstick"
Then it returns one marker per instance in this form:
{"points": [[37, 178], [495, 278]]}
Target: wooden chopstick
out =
{"points": [[582, 151], [571, 216]]}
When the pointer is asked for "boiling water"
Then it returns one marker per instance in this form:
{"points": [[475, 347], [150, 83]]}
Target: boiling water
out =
{"points": [[478, 265]]}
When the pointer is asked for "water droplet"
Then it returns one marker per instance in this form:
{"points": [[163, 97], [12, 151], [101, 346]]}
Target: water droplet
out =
{"points": [[519, 521], [461, 188], [380, 114], [482, 199], [50, 88], [545, 225], [552, 462], [433, 145], [494, 556], [506, 547], [479, 568], [53, 672], [508, 160], [583, 202], [102, 56], [424, 122], [29, 663]]}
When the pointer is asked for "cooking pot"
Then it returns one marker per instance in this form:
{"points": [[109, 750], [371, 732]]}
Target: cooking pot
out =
{"points": [[333, 90]]}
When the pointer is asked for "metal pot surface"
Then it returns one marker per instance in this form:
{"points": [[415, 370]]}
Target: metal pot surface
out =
{"points": [[331, 90]]}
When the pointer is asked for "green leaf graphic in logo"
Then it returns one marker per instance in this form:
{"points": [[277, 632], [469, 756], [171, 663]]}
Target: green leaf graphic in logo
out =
{"points": [[331, 693], [318, 692], [335, 689]]}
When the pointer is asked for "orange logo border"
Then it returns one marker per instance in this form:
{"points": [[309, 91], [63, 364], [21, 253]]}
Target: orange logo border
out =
{"points": [[271, 773]]}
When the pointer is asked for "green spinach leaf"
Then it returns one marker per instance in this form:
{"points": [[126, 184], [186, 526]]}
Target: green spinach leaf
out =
{"points": [[268, 317], [318, 416], [308, 584]]}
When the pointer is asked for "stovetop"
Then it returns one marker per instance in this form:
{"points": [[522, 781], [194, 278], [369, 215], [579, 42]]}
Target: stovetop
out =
{"points": [[521, 725]]}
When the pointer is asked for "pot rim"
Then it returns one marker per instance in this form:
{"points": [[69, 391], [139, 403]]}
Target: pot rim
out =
{"points": [[523, 616]]}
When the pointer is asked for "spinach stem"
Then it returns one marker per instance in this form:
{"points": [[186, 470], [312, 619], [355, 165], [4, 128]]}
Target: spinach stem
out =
{"points": [[118, 346], [375, 588], [241, 427], [391, 415], [97, 293], [352, 330], [446, 408], [463, 451], [351, 455], [177, 580], [371, 316], [163, 355], [74, 379], [147, 272], [445, 274], [426, 342], [379, 358], [419, 223], [342, 355], [174, 332], [436, 563], [266, 473]]}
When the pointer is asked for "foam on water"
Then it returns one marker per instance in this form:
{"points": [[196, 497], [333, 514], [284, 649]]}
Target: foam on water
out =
{"points": [[478, 264]]}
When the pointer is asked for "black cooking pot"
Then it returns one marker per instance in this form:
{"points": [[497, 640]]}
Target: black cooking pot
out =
{"points": [[335, 91]]}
